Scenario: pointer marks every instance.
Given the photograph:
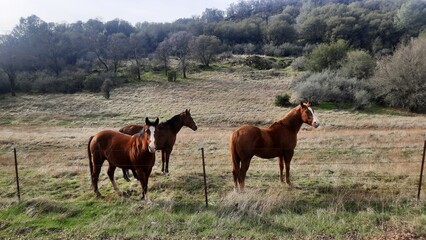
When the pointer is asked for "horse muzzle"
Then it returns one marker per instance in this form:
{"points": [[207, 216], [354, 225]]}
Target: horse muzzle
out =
{"points": [[315, 124], [151, 148]]}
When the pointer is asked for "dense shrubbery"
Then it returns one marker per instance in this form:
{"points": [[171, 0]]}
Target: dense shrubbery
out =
{"points": [[400, 80], [282, 100], [330, 86]]}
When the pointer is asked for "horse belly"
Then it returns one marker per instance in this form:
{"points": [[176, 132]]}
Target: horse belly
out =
{"points": [[267, 153]]}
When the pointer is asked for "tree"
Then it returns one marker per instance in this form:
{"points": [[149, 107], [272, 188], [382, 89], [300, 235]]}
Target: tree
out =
{"points": [[326, 56], [94, 32], [400, 80], [411, 17], [279, 32], [163, 53], [212, 15], [117, 48], [179, 43], [358, 64], [205, 48]]}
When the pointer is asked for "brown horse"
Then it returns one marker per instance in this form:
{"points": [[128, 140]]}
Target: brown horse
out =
{"points": [[166, 135], [278, 140], [120, 150]]}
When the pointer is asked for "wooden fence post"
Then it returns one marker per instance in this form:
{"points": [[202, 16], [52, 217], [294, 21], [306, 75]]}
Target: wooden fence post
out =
{"points": [[421, 170], [204, 174], [16, 174]]}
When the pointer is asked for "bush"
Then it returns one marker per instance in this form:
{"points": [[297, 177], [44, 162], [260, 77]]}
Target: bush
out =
{"points": [[106, 88], [327, 56], [4, 84], [282, 100], [358, 64], [330, 86], [259, 63], [400, 80], [299, 64], [93, 83]]}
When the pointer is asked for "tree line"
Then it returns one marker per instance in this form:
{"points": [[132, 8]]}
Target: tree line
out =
{"points": [[68, 57]]}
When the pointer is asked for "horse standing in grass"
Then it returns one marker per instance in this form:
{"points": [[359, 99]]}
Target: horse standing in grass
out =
{"points": [[136, 152], [278, 140], [166, 135]]}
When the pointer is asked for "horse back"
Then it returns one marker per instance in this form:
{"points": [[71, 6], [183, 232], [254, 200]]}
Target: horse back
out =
{"points": [[131, 129], [113, 146]]}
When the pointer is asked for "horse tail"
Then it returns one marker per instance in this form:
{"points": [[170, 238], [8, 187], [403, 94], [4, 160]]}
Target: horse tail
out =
{"points": [[89, 153]]}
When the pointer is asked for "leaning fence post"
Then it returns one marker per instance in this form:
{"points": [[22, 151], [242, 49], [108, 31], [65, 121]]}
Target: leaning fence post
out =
{"points": [[204, 174], [421, 170], [16, 174]]}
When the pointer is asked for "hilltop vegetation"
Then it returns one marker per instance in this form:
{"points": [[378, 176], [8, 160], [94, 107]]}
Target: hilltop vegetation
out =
{"points": [[46, 57]]}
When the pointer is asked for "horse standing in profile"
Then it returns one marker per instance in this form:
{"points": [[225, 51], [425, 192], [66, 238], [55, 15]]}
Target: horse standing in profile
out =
{"points": [[166, 135], [135, 152], [278, 140]]}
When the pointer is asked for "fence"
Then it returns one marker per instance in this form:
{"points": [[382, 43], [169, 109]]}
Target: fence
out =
{"points": [[37, 166]]}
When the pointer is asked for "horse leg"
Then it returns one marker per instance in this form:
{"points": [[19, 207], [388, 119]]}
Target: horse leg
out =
{"points": [[163, 159], [288, 155], [245, 163], [142, 180], [111, 170], [167, 161], [126, 174], [147, 174], [135, 174], [97, 165], [235, 171], [281, 164]]}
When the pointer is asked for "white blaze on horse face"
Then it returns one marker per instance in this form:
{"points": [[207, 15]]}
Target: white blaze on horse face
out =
{"points": [[315, 122], [152, 146]]}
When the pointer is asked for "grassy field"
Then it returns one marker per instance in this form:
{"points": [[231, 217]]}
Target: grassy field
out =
{"points": [[356, 176]]}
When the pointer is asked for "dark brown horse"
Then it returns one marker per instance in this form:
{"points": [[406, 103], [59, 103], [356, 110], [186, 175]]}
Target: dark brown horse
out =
{"points": [[278, 140], [166, 135], [135, 152]]}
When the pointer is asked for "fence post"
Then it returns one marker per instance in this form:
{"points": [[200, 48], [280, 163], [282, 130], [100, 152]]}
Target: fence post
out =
{"points": [[421, 170], [204, 174], [16, 174]]}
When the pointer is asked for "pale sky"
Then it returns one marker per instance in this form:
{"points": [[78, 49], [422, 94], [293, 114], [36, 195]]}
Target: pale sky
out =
{"points": [[133, 11]]}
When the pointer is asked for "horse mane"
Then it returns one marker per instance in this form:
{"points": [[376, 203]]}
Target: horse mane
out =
{"points": [[285, 119]]}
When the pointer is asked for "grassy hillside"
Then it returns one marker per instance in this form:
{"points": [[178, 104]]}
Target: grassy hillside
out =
{"points": [[356, 175]]}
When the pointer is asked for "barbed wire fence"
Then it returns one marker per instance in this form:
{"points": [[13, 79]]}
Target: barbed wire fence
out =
{"points": [[321, 163]]}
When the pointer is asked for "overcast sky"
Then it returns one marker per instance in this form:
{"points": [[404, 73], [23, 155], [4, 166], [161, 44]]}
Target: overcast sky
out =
{"points": [[133, 11]]}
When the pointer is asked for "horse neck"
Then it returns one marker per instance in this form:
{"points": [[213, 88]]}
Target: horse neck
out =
{"points": [[291, 121], [175, 124]]}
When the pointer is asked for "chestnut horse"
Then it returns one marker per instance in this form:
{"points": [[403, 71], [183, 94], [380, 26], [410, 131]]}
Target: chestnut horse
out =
{"points": [[166, 135], [278, 140], [136, 152]]}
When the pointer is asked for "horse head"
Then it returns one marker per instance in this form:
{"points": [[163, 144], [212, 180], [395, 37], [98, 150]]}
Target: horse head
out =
{"points": [[308, 115], [149, 129], [187, 120]]}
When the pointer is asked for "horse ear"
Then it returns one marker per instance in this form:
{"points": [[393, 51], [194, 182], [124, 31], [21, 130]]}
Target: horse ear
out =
{"points": [[147, 122], [186, 111], [157, 121], [308, 103], [301, 104]]}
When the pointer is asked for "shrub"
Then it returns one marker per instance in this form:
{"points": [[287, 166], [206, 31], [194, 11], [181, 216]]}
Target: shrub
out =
{"points": [[106, 88], [327, 56], [400, 80], [282, 100], [330, 86], [259, 63], [93, 83], [299, 64], [358, 64], [4, 84]]}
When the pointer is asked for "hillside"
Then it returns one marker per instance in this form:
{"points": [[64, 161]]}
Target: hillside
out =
{"points": [[356, 175]]}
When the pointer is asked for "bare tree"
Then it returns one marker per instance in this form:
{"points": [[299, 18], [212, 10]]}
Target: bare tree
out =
{"points": [[204, 48], [180, 48]]}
